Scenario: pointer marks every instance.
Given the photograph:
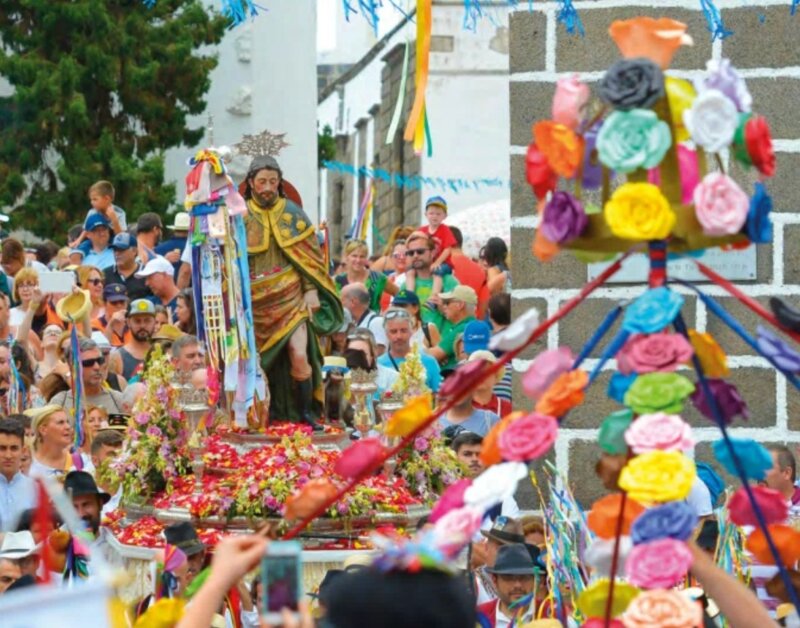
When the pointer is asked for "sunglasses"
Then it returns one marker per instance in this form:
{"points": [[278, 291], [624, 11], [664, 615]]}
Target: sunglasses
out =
{"points": [[90, 363], [392, 314], [413, 252], [94, 282]]}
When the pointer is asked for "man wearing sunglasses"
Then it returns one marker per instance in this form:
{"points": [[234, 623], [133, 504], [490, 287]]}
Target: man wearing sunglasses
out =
{"points": [[95, 393], [419, 254], [397, 325]]}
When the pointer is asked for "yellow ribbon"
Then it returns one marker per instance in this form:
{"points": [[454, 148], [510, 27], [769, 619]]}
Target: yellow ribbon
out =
{"points": [[415, 128]]}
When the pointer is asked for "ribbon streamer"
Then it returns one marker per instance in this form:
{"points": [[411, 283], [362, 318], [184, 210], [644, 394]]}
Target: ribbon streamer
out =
{"points": [[714, 21], [415, 128], [76, 369], [401, 96], [607, 323]]}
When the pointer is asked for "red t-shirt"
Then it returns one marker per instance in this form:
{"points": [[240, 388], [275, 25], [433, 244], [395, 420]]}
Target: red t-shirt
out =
{"points": [[501, 407], [471, 274], [443, 239]]}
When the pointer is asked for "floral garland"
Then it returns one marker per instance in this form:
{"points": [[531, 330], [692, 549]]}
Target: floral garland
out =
{"points": [[429, 466]]}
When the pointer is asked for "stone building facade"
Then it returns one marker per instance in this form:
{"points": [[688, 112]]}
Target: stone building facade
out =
{"points": [[765, 46]]}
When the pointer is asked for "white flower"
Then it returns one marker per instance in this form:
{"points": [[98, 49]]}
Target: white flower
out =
{"points": [[712, 120], [517, 333], [722, 76], [600, 553], [496, 484]]}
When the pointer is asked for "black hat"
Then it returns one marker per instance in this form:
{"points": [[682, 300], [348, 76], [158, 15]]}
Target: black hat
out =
{"points": [[505, 530], [81, 483], [330, 577], [184, 537], [513, 560]]}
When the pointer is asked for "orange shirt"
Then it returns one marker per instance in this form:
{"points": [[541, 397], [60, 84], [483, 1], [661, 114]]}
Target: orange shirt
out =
{"points": [[473, 275]]}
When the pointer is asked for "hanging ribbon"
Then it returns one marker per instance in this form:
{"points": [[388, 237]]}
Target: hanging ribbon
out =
{"points": [[401, 96], [76, 378], [714, 22], [16, 389], [607, 323], [417, 121]]}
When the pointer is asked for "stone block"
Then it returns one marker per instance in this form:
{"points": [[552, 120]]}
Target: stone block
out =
{"points": [[770, 96], [596, 407], [583, 481], [792, 407], [726, 337], [523, 202], [528, 34], [791, 254], [530, 102], [747, 49], [521, 401], [518, 307], [528, 272], [596, 50], [527, 497]]}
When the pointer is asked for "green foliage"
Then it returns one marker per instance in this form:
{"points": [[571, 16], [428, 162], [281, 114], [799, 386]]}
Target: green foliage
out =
{"points": [[326, 145], [102, 88]]}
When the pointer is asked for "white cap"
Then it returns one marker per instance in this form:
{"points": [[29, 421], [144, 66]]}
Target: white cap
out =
{"points": [[100, 340], [156, 265]]}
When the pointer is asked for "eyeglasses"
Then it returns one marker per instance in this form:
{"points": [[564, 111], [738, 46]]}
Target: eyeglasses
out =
{"points": [[91, 362], [94, 282], [398, 256], [27, 285], [413, 252]]}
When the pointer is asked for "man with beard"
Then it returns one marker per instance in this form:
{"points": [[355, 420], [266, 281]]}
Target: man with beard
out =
{"points": [[514, 577], [419, 256], [95, 393], [141, 323], [88, 502], [125, 267], [294, 298]]}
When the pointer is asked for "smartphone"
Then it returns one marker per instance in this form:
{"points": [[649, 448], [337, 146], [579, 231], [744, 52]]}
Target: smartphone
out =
{"points": [[281, 580], [56, 281]]}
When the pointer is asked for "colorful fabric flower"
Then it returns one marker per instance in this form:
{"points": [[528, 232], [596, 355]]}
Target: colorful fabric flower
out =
{"points": [[592, 600], [720, 205], [712, 358], [759, 222], [599, 622], [310, 498], [629, 140], [680, 95], [654, 39], [658, 476], [602, 518], [456, 528], [564, 218], [758, 141], [490, 449], [451, 499], [464, 377], [689, 173], [646, 353], [600, 554], [409, 417], [652, 311], [754, 457], [618, 385], [659, 432], [658, 392], [561, 146], [663, 608], [640, 212], [673, 520], [566, 392], [612, 432], [528, 438], [632, 84], [517, 333], [569, 101], [786, 539], [723, 77], [495, 485], [770, 502], [544, 369], [729, 401], [712, 120], [356, 459], [779, 351], [659, 564], [538, 172]]}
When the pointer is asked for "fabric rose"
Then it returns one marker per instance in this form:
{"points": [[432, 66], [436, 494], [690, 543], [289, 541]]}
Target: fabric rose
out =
{"points": [[712, 120], [786, 539], [629, 140], [654, 39], [490, 448], [652, 311], [632, 84], [712, 358], [720, 205], [777, 350], [451, 499], [612, 432], [758, 140], [409, 417], [646, 353], [358, 458], [517, 333], [464, 378], [658, 392], [569, 101], [592, 600], [659, 431], [309, 498], [561, 146], [602, 518], [544, 369], [598, 622], [495, 485], [674, 520], [566, 392], [618, 385], [729, 401], [639, 211], [658, 476], [659, 564], [754, 458], [759, 222], [722, 76], [770, 502], [538, 172], [455, 529], [528, 438], [663, 608], [564, 218], [601, 552]]}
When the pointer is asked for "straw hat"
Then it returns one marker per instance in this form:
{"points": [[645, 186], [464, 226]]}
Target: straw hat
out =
{"points": [[167, 332], [74, 307], [38, 415]]}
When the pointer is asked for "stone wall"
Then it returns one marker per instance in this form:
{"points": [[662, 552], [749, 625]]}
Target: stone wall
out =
{"points": [[765, 46]]}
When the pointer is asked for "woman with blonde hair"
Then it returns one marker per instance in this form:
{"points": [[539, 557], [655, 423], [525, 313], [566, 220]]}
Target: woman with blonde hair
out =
{"points": [[91, 278], [93, 421], [356, 264], [53, 434], [386, 263]]}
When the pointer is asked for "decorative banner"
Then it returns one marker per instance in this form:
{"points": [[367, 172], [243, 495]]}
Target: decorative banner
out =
{"points": [[417, 128], [358, 230]]}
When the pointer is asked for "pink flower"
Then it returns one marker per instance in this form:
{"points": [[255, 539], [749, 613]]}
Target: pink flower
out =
{"points": [[544, 370], [421, 444], [665, 432], [770, 502], [457, 527], [451, 499], [569, 101], [356, 459], [644, 353], [660, 564], [528, 437], [154, 431], [142, 418], [720, 205]]}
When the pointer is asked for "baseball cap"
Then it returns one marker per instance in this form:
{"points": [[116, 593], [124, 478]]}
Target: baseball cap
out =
{"points": [[123, 241], [142, 306], [115, 292], [96, 220], [460, 293], [436, 201], [476, 336], [101, 341], [405, 297], [79, 251], [148, 221], [156, 265]]}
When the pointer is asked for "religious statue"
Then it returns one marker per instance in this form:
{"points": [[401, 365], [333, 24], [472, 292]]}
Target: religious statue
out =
{"points": [[294, 298]]}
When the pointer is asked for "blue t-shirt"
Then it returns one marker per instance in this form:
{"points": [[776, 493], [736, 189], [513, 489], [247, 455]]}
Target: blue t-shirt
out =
{"points": [[479, 422], [433, 374], [170, 245], [104, 259]]}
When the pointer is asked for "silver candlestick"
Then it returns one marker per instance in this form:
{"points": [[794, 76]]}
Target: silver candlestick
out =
{"points": [[386, 409], [363, 386], [194, 404]]}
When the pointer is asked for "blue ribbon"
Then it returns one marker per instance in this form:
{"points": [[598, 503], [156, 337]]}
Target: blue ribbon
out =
{"points": [[610, 351], [607, 323], [714, 22]]}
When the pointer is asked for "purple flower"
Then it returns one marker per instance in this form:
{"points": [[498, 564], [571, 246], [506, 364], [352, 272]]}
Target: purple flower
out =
{"points": [[729, 401], [142, 418], [564, 218], [722, 76], [781, 353], [341, 507], [421, 444], [162, 394], [675, 520], [154, 431]]}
